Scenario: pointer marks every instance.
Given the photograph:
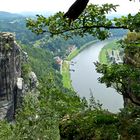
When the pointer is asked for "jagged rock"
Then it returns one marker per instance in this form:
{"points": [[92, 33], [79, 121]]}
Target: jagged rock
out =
{"points": [[33, 80], [20, 83], [25, 56], [12, 85], [10, 70]]}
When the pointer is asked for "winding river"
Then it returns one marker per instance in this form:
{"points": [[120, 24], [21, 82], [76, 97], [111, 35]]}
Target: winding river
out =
{"points": [[84, 78]]}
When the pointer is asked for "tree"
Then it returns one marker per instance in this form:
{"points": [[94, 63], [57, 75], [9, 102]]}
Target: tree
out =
{"points": [[40, 115], [123, 78], [92, 21]]}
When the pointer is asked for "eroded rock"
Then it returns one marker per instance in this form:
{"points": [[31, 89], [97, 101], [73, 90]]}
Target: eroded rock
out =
{"points": [[10, 70]]}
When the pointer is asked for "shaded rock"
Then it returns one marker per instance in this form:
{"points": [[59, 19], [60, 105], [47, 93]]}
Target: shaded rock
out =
{"points": [[20, 83], [33, 80], [10, 70], [12, 86]]}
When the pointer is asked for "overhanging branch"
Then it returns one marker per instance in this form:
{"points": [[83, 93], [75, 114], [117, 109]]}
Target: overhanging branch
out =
{"points": [[86, 28]]}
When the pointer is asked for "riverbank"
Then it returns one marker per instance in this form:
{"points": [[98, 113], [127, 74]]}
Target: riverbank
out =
{"points": [[113, 45], [85, 78], [66, 75], [66, 64], [77, 51]]}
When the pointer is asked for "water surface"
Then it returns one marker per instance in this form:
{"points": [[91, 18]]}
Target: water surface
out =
{"points": [[84, 78]]}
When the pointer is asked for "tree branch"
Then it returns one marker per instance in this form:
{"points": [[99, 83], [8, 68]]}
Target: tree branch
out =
{"points": [[86, 28]]}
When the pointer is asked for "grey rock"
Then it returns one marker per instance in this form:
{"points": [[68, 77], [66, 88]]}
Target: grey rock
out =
{"points": [[20, 83], [12, 85], [33, 80], [10, 69]]}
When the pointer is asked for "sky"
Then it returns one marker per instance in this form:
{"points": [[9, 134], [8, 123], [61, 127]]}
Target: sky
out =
{"points": [[18, 6]]}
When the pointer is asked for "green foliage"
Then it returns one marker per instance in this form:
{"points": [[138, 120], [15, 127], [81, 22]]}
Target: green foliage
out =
{"points": [[103, 56], [7, 46], [132, 22], [40, 60], [93, 104], [40, 113], [89, 125], [59, 46], [66, 101], [124, 77], [90, 22], [36, 120], [56, 107], [129, 128], [6, 131], [99, 124], [66, 75], [26, 69], [39, 119], [17, 25]]}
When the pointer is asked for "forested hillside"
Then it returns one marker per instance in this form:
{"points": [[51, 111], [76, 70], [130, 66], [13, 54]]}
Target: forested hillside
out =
{"points": [[17, 24], [55, 112]]}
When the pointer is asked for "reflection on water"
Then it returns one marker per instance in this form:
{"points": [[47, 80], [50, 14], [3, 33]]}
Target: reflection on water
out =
{"points": [[84, 78]]}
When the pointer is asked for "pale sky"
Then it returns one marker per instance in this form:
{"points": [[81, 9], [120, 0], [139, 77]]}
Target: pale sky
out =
{"points": [[15, 6]]}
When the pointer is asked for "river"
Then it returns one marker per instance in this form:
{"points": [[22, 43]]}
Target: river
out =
{"points": [[84, 78]]}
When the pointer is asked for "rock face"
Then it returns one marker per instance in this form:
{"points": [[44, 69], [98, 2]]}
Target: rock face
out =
{"points": [[10, 72], [33, 81]]}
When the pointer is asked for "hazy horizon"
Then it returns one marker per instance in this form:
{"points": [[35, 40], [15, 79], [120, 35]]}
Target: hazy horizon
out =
{"points": [[53, 6]]}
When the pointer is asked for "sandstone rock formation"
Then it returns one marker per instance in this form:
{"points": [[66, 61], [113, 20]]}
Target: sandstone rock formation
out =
{"points": [[10, 71], [12, 86]]}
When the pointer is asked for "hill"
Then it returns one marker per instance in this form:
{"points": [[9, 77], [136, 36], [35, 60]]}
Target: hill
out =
{"points": [[6, 15]]}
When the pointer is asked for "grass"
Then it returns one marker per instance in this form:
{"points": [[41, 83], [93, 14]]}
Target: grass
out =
{"points": [[73, 54], [102, 56], [66, 65], [66, 75], [107, 48]]}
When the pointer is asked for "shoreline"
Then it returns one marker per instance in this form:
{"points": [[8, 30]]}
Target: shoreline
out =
{"points": [[66, 64], [107, 48], [77, 51]]}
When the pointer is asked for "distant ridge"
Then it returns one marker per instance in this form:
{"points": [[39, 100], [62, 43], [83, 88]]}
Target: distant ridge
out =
{"points": [[8, 15], [34, 13]]}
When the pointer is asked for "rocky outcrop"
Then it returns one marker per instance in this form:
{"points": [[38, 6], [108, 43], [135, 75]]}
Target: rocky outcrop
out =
{"points": [[12, 85], [33, 81], [10, 71]]}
